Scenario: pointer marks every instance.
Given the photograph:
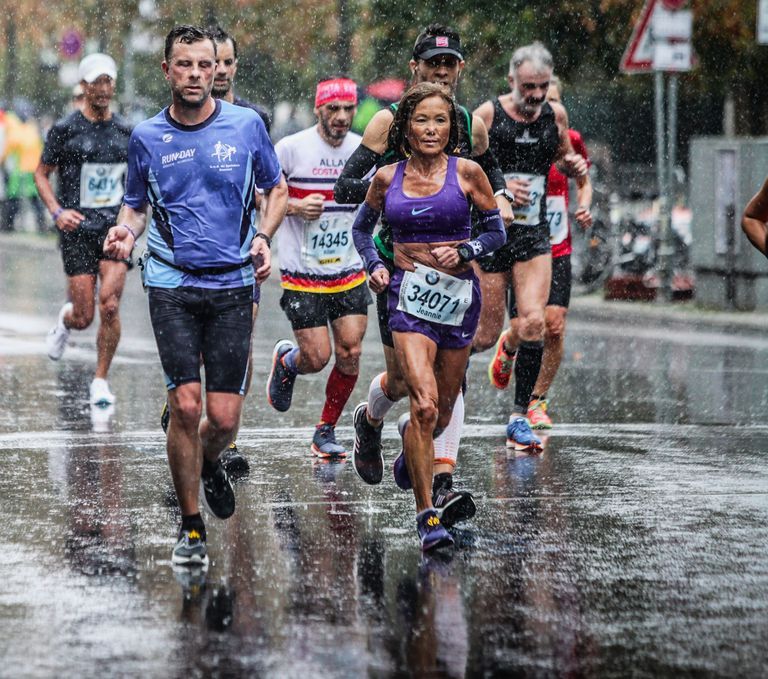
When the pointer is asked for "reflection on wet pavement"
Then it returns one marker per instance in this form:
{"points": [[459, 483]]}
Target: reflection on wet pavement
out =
{"points": [[634, 545]]}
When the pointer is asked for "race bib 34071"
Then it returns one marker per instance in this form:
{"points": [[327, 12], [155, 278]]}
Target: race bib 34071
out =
{"points": [[435, 296]]}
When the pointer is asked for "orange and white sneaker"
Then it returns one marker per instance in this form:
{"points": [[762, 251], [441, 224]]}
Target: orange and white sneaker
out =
{"points": [[501, 365], [537, 414]]}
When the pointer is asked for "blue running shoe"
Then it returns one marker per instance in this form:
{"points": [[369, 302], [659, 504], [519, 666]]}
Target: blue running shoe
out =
{"points": [[399, 468], [324, 442], [431, 532], [520, 436], [280, 382]]}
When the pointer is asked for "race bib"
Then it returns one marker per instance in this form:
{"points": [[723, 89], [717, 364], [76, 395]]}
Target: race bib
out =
{"points": [[557, 218], [435, 296], [328, 241], [101, 184], [529, 215]]}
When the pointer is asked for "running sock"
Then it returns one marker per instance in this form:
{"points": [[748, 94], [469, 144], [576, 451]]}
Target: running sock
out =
{"points": [[447, 444], [338, 389], [289, 361], [193, 522], [379, 404], [527, 368], [442, 479]]}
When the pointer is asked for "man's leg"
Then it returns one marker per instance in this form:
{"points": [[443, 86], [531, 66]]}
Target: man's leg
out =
{"points": [[184, 444], [531, 282], [493, 287], [113, 275], [348, 332]]}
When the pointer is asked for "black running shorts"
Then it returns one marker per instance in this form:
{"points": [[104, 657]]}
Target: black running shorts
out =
{"points": [[82, 251], [317, 309], [191, 324], [523, 244], [559, 290]]}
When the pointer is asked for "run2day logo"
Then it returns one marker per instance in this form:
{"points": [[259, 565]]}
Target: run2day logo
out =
{"points": [[223, 152]]}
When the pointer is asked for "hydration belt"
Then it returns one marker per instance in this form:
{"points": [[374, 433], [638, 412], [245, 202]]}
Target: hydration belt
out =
{"points": [[206, 270]]}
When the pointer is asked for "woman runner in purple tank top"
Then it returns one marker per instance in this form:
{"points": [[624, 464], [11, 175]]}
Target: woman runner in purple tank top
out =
{"points": [[434, 296]]}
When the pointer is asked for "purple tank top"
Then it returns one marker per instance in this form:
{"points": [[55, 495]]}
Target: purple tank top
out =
{"points": [[443, 216]]}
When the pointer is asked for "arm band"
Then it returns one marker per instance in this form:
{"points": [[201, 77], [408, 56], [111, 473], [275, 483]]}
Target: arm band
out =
{"points": [[350, 187], [490, 166], [57, 213], [131, 231], [493, 236], [362, 235]]}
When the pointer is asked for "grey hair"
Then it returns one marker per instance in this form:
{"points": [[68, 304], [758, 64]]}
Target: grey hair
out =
{"points": [[536, 53]]}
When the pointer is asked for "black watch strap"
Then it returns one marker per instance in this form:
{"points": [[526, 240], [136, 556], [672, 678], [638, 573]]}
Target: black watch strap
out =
{"points": [[265, 237]]}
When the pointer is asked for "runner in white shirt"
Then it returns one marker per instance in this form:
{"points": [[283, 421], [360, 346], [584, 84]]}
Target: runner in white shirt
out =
{"points": [[321, 273]]}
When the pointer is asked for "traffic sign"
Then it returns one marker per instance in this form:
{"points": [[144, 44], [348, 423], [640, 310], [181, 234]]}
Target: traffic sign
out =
{"points": [[661, 39], [762, 22], [638, 57]]}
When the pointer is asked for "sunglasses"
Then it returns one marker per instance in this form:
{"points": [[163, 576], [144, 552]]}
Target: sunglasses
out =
{"points": [[529, 87]]}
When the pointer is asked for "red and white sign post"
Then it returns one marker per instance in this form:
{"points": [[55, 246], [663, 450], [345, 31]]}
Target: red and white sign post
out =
{"points": [[661, 43]]}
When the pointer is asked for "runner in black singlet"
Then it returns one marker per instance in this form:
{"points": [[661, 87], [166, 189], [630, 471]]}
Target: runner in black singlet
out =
{"points": [[527, 134], [89, 150]]}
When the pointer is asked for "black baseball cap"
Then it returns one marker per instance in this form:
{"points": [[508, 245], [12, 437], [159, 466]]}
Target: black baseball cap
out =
{"points": [[433, 45]]}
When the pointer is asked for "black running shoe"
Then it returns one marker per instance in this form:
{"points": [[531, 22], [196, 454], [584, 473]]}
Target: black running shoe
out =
{"points": [[190, 550], [451, 505], [165, 416], [235, 462], [366, 451], [217, 492]]}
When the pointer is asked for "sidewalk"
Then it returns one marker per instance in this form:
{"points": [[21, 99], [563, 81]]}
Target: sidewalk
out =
{"points": [[593, 308]]}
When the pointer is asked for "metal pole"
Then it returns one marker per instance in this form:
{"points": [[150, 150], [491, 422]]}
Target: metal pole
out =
{"points": [[667, 248], [661, 167]]}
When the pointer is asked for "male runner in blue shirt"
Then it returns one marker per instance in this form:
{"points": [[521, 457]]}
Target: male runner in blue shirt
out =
{"points": [[197, 164]]}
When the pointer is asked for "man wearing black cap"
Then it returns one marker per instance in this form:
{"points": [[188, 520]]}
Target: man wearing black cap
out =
{"points": [[89, 149], [437, 58]]}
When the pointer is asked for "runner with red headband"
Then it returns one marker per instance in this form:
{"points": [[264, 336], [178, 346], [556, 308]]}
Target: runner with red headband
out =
{"points": [[321, 273]]}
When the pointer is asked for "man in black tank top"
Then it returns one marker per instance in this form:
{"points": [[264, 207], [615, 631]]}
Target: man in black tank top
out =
{"points": [[527, 135], [437, 58]]}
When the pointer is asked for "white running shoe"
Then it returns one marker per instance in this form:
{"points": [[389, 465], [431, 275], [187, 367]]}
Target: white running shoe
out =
{"points": [[100, 393], [56, 341]]}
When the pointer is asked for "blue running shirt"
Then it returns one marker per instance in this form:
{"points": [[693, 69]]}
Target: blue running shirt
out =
{"points": [[199, 181]]}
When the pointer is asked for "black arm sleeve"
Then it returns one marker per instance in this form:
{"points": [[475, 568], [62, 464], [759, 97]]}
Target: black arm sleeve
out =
{"points": [[350, 187], [491, 168]]}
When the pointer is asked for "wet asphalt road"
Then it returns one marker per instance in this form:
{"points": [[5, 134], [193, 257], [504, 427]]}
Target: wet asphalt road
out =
{"points": [[635, 545]]}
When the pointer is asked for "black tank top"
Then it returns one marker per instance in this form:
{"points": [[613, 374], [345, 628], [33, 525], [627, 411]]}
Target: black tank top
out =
{"points": [[525, 148]]}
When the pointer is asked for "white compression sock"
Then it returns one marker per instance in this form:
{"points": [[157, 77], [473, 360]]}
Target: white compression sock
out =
{"points": [[447, 444], [379, 403]]}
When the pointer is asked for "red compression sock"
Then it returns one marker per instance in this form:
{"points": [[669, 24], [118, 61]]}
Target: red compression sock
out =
{"points": [[337, 392]]}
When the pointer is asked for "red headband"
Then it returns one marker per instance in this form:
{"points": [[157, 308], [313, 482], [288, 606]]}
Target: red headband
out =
{"points": [[338, 88]]}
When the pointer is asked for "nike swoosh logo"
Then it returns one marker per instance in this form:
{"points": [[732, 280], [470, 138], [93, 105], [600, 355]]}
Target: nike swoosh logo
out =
{"points": [[465, 335], [421, 210]]}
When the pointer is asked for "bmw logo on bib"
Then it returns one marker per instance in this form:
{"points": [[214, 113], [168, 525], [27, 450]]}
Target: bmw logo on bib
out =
{"points": [[432, 277]]}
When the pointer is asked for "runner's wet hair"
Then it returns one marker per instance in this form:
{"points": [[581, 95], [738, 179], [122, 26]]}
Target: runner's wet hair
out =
{"points": [[536, 53], [187, 35], [398, 130], [220, 36]]}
